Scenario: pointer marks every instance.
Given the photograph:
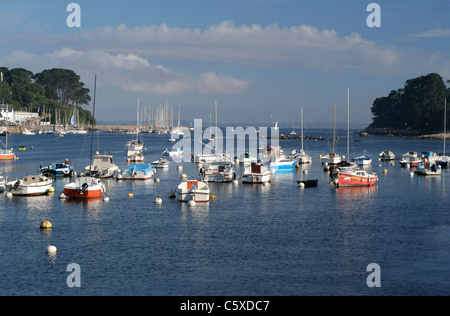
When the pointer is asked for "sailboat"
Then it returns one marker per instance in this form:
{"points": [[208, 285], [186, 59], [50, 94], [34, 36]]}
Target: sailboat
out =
{"points": [[300, 154], [352, 176], [135, 147], [210, 138], [332, 158], [6, 153], [443, 160], [206, 158], [293, 129], [86, 187]]}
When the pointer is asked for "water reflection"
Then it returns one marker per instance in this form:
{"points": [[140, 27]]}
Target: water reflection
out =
{"points": [[93, 207], [355, 197]]}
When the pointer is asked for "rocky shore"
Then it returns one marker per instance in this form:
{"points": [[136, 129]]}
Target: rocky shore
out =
{"points": [[434, 136]]}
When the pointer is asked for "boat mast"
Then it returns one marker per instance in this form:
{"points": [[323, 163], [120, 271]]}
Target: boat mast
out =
{"points": [[301, 117], [445, 123], [93, 114], [215, 136], [334, 127], [348, 124]]}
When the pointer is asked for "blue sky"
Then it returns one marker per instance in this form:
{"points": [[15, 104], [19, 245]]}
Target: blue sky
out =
{"points": [[260, 59]]}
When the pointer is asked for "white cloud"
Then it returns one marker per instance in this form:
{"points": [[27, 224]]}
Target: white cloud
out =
{"points": [[436, 33], [296, 46], [129, 72]]}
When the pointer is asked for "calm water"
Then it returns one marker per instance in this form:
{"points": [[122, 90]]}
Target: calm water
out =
{"points": [[271, 240]]}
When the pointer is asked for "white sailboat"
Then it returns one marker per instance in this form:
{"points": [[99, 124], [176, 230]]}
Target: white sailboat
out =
{"points": [[86, 187], [5, 152], [135, 147], [300, 154], [443, 160], [332, 158]]}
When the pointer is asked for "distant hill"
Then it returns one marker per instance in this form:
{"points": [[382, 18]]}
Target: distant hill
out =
{"points": [[416, 108]]}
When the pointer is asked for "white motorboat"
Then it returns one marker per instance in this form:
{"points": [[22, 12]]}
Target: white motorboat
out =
{"points": [[193, 190], [410, 159], [160, 163], [363, 161], [30, 186], [102, 167], [256, 173], [173, 153], [387, 155], [218, 171]]}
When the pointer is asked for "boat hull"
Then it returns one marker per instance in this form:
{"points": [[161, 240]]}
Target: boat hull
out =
{"points": [[256, 178], [193, 196], [85, 188], [79, 194], [346, 180], [31, 191], [30, 186]]}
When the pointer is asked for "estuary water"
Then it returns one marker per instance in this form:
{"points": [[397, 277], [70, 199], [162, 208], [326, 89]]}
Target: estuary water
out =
{"points": [[261, 240]]}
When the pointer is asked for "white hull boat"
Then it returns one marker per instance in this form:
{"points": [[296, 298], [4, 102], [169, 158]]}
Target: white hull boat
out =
{"points": [[30, 186], [256, 174], [193, 190]]}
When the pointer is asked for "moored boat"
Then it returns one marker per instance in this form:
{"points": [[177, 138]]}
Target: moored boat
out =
{"points": [[428, 169], [160, 163], [386, 155], [85, 188], [218, 171], [137, 172], [58, 170], [136, 157], [283, 165], [363, 160], [103, 167], [31, 185], [410, 159], [442, 161], [7, 154], [193, 190], [256, 174], [173, 153], [354, 177]]}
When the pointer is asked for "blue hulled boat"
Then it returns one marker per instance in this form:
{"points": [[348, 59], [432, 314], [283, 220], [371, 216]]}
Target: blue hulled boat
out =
{"points": [[58, 170]]}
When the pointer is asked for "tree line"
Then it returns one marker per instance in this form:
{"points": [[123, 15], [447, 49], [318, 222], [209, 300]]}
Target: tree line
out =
{"points": [[50, 92], [417, 107]]}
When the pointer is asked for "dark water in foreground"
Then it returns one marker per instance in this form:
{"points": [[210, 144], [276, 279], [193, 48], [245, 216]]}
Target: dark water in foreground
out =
{"points": [[271, 240]]}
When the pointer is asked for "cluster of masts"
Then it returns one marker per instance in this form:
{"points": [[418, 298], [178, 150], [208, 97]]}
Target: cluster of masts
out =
{"points": [[159, 119]]}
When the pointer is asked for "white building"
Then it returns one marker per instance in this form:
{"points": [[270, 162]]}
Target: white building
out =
{"points": [[8, 114]]}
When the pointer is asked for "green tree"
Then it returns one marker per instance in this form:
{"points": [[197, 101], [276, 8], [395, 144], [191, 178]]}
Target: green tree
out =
{"points": [[419, 106], [64, 86]]}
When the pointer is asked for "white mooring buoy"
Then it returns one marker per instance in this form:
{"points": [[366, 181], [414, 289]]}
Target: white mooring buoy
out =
{"points": [[51, 249]]}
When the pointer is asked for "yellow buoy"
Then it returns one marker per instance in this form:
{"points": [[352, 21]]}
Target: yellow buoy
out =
{"points": [[52, 190], [130, 194], [385, 171], [320, 156], [212, 197], [46, 225]]}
